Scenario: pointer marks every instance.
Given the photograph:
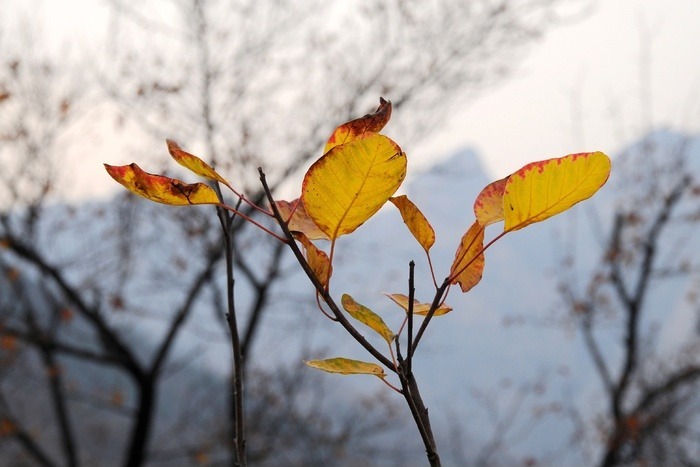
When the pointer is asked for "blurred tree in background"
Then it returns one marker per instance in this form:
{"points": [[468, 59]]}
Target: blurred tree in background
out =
{"points": [[633, 311], [101, 344]]}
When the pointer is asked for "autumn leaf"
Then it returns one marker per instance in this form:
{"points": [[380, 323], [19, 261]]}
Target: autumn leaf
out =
{"points": [[367, 316], [351, 182], [317, 259], [419, 308], [346, 366], [299, 221], [370, 123], [543, 189], [194, 163], [468, 265], [416, 222], [161, 189], [488, 206]]}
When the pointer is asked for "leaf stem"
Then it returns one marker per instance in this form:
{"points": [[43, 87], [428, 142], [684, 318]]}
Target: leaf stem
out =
{"points": [[390, 385], [460, 271], [257, 224]]}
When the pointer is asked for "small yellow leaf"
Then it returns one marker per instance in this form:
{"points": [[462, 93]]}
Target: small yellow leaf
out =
{"points": [[419, 308], [367, 316], [299, 220], [161, 189], [488, 206], [370, 123], [351, 182], [468, 265], [194, 163], [543, 189], [415, 220], [346, 366], [317, 259]]}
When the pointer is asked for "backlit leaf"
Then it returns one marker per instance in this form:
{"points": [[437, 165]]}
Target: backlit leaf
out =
{"points": [[488, 207], [468, 265], [421, 309], [367, 316], [300, 220], [194, 163], [346, 366], [542, 189], [415, 221], [317, 259], [351, 182], [370, 123], [161, 189]]}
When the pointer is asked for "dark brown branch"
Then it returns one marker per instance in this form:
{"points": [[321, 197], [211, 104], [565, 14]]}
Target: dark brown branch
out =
{"points": [[321, 290], [180, 317], [682, 377], [439, 295], [108, 337], [635, 302], [262, 293], [593, 348], [56, 391]]}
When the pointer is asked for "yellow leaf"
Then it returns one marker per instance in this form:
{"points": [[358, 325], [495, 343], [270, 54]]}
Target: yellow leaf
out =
{"points": [[194, 163], [367, 316], [419, 308], [468, 265], [346, 366], [351, 182], [299, 220], [415, 220], [317, 259], [161, 189], [543, 189], [488, 207], [370, 123]]}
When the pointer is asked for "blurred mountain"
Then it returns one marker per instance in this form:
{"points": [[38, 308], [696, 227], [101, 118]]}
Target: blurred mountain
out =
{"points": [[476, 346]]}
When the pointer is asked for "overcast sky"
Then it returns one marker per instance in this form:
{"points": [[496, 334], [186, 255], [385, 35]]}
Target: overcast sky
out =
{"points": [[585, 87]]}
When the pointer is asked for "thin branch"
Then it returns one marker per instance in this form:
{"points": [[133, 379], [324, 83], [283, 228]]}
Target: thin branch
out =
{"points": [[684, 376], [109, 338], [23, 437], [320, 288], [411, 296]]}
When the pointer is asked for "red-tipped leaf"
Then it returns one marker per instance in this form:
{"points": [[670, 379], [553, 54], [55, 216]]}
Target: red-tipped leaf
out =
{"points": [[161, 189], [370, 123]]}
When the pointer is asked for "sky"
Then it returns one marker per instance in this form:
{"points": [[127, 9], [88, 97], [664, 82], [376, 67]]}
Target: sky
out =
{"points": [[596, 84], [584, 87]]}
